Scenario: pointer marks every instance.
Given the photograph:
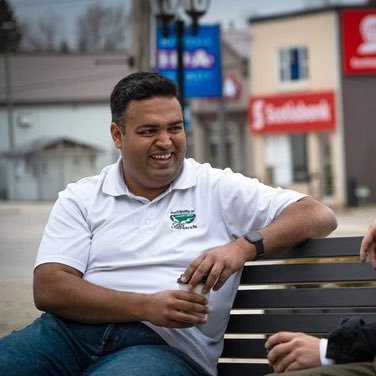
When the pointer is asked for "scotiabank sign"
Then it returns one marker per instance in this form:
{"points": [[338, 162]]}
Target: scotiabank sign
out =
{"points": [[292, 113], [359, 40]]}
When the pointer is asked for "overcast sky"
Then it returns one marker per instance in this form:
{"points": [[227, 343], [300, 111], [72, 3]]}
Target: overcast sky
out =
{"points": [[226, 12]]}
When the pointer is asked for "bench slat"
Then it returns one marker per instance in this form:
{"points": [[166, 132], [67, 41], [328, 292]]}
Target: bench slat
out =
{"points": [[303, 273], [244, 348], [314, 323], [240, 369], [328, 247], [306, 298]]}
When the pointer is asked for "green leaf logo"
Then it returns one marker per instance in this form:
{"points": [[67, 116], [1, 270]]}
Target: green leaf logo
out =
{"points": [[183, 218]]}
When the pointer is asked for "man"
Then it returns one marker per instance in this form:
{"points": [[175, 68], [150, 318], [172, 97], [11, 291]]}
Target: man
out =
{"points": [[352, 345], [115, 245]]}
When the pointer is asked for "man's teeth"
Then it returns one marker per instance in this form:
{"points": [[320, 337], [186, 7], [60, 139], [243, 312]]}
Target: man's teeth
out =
{"points": [[161, 156]]}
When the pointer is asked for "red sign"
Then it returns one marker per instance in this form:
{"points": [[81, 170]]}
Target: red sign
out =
{"points": [[292, 113], [359, 40]]}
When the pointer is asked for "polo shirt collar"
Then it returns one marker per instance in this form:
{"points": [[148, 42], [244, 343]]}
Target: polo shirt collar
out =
{"points": [[114, 184]]}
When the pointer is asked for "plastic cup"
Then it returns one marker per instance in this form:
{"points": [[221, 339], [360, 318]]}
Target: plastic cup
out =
{"points": [[196, 290]]}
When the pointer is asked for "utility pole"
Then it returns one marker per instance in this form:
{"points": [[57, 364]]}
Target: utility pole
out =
{"points": [[8, 27], [141, 46], [9, 100]]}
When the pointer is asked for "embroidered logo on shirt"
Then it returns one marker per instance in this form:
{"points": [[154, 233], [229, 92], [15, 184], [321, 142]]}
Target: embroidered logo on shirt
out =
{"points": [[182, 219]]}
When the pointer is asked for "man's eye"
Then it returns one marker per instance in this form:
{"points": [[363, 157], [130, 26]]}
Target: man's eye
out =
{"points": [[176, 128], [146, 132]]}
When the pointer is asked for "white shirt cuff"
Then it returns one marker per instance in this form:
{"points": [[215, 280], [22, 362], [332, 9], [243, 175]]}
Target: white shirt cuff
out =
{"points": [[323, 359]]}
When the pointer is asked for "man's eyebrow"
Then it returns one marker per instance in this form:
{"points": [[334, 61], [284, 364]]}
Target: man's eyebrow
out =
{"points": [[152, 125], [147, 125], [176, 122]]}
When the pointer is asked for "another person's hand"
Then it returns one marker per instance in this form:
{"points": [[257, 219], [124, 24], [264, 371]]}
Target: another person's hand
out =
{"points": [[368, 246], [288, 351], [176, 309], [216, 266]]}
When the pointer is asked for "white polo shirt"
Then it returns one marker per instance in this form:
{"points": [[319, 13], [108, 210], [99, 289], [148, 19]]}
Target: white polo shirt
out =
{"points": [[127, 243]]}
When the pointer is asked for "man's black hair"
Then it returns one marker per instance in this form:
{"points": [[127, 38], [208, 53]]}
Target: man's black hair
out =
{"points": [[138, 86]]}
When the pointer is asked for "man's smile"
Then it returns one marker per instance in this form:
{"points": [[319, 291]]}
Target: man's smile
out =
{"points": [[161, 157]]}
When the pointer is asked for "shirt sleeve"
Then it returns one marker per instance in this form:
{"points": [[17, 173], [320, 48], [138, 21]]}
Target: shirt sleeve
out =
{"points": [[67, 236], [323, 359], [248, 204], [353, 341]]}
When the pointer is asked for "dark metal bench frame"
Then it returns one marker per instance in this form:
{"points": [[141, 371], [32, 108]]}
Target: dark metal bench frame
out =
{"points": [[308, 288]]}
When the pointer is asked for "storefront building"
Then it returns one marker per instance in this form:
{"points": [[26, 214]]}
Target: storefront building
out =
{"points": [[220, 131], [311, 110]]}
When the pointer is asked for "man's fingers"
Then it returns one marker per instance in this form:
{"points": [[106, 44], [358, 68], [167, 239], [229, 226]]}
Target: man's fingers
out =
{"points": [[187, 275], [202, 269], [279, 337], [188, 297], [224, 276], [284, 363]]}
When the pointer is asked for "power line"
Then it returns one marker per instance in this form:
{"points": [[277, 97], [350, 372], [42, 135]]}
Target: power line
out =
{"points": [[59, 82]]}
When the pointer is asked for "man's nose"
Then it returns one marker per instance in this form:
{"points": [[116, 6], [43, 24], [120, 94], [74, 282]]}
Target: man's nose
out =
{"points": [[163, 140]]}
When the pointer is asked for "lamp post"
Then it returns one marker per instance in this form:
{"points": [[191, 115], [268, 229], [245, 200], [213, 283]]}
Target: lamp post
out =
{"points": [[8, 28], [168, 11]]}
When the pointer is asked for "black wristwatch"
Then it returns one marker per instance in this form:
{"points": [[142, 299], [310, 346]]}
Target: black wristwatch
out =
{"points": [[256, 238]]}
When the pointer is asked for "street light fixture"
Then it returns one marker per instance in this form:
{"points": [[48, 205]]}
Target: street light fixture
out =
{"points": [[168, 11]]}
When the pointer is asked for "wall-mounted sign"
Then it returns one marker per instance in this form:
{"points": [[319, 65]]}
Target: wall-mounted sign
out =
{"points": [[309, 112], [359, 40], [202, 60]]}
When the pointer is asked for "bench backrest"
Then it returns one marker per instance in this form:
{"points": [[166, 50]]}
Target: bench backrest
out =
{"points": [[308, 288]]}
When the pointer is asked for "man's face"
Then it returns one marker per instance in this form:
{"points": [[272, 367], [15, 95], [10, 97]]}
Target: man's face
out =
{"points": [[153, 145]]}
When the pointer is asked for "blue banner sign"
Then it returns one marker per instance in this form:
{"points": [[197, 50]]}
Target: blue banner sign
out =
{"points": [[202, 60]]}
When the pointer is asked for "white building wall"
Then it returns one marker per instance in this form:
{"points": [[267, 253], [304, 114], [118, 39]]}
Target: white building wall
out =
{"points": [[89, 123], [86, 122]]}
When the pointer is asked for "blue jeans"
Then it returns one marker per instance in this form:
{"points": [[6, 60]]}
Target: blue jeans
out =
{"points": [[51, 346]]}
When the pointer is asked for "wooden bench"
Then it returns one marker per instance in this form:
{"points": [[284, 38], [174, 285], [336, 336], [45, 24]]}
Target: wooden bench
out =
{"points": [[308, 288]]}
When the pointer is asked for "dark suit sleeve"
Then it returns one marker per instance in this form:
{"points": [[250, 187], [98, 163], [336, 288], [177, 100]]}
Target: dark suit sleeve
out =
{"points": [[353, 341]]}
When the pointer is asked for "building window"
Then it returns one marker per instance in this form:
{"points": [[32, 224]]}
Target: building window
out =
{"points": [[293, 64], [214, 145], [326, 180], [298, 147]]}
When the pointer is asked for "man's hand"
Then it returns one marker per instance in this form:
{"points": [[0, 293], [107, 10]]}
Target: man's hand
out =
{"points": [[368, 246], [217, 265], [176, 309], [288, 351]]}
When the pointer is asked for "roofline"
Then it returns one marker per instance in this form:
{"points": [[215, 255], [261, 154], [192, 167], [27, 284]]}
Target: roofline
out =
{"points": [[233, 50], [305, 12], [109, 54], [62, 102]]}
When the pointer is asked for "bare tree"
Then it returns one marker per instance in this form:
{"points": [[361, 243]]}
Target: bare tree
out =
{"points": [[10, 31], [42, 36], [103, 28], [50, 30]]}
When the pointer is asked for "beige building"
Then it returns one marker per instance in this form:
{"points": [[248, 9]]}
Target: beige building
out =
{"points": [[310, 115]]}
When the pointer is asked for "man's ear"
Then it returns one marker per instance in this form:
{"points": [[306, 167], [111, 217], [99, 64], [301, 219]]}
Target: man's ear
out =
{"points": [[116, 135]]}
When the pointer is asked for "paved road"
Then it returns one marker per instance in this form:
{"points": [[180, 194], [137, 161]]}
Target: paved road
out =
{"points": [[21, 227]]}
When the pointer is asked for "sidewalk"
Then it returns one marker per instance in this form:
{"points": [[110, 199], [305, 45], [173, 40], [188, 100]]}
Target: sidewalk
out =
{"points": [[21, 228]]}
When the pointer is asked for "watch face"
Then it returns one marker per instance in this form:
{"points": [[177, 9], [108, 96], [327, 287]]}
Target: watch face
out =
{"points": [[254, 236]]}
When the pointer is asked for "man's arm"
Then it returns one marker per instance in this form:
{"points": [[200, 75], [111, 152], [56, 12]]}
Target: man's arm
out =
{"points": [[299, 221], [60, 289], [353, 341]]}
